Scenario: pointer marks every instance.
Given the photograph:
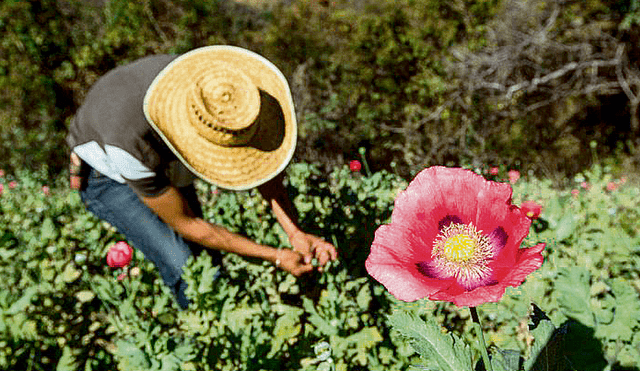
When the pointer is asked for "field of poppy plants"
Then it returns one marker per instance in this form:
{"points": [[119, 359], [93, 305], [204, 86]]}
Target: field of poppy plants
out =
{"points": [[430, 270]]}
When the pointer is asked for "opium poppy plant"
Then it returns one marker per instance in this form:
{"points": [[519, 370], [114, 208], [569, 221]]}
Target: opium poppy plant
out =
{"points": [[453, 236], [531, 209]]}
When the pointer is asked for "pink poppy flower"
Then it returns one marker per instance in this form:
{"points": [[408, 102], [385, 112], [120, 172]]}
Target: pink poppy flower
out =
{"points": [[45, 190], [575, 192], [513, 175], [494, 170], [13, 184], [355, 165], [454, 236], [119, 255], [1, 188], [531, 209], [585, 185], [612, 186]]}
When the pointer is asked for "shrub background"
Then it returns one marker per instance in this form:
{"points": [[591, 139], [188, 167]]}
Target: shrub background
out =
{"points": [[529, 84]]}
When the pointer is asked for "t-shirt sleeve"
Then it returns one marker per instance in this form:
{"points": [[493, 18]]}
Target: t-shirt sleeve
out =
{"points": [[143, 180]]}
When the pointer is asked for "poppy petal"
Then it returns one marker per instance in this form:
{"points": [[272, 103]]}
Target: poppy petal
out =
{"points": [[392, 263]]}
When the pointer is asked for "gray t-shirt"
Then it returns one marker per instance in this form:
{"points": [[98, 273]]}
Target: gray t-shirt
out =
{"points": [[111, 134]]}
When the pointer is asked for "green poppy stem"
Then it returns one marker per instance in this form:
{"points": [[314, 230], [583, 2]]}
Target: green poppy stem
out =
{"points": [[362, 152], [483, 345]]}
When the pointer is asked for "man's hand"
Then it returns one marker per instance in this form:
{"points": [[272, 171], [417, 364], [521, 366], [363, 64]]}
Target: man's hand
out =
{"points": [[293, 262], [310, 246]]}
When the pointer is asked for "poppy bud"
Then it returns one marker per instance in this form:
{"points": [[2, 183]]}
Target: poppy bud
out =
{"points": [[119, 255]]}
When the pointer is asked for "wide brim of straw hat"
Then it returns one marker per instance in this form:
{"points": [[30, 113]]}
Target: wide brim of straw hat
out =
{"points": [[239, 167]]}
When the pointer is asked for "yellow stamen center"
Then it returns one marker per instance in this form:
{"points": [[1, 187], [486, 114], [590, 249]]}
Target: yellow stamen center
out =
{"points": [[462, 251], [459, 248]]}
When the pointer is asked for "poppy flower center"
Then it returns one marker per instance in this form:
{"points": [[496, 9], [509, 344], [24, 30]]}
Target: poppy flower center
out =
{"points": [[462, 251], [459, 247]]}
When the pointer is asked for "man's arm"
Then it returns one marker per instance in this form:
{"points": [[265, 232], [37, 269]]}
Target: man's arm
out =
{"points": [[173, 209], [307, 244]]}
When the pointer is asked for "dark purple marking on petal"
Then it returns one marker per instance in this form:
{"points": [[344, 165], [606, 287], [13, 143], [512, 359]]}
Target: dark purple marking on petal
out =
{"points": [[448, 220], [498, 238], [488, 280], [426, 270]]}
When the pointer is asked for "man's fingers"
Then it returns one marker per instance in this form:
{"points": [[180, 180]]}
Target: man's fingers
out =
{"points": [[303, 269], [326, 252], [323, 256]]}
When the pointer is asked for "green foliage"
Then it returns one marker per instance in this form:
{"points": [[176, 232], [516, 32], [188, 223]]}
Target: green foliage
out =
{"points": [[632, 17], [446, 351], [592, 267], [64, 308]]}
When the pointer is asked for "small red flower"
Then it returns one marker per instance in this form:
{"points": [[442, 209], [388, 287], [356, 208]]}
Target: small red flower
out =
{"points": [[454, 236], [119, 255], [46, 190], [513, 175], [575, 192], [1, 188], [494, 171], [612, 186], [585, 185], [13, 184], [355, 165], [531, 209]]}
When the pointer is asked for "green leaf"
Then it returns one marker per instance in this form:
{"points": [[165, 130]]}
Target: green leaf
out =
{"points": [[48, 230], [506, 360], [627, 313], [542, 331], [566, 226], [6, 254], [68, 360], [320, 323], [170, 363], [447, 351], [70, 273], [364, 297], [21, 304], [85, 296], [287, 327], [573, 287], [132, 357]]}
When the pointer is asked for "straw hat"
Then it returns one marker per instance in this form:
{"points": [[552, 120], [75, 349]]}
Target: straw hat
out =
{"points": [[227, 114]]}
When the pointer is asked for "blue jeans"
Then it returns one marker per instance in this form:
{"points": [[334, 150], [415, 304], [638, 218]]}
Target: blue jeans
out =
{"points": [[118, 205]]}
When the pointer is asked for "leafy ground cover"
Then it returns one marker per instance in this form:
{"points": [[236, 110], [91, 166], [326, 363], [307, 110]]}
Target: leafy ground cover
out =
{"points": [[64, 308]]}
